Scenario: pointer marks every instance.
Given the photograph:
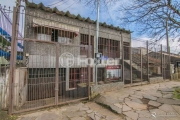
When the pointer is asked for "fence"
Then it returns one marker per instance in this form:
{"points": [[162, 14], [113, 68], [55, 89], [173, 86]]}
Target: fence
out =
{"points": [[146, 61], [49, 65], [5, 43]]}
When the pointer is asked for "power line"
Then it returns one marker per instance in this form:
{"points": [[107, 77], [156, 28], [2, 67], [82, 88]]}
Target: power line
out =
{"points": [[108, 11], [55, 3], [92, 11], [71, 5], [62, 3]]}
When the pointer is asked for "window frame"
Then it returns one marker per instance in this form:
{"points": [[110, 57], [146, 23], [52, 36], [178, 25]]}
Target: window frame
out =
{"points": [[82, 76], [84, 40], [109, 47]]}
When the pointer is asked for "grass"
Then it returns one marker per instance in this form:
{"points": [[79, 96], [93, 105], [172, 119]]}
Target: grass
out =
{"points": [[5, 116], [177, 93]]}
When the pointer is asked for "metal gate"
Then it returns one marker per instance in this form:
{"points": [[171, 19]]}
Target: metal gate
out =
{"points": [[51, 71]]}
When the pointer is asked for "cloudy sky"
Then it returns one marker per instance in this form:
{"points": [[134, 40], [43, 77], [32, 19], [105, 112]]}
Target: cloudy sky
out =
{"points": [[108, 14]]}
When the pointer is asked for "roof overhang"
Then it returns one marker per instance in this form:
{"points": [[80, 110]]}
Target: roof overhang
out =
{"points": [[55, 25]]}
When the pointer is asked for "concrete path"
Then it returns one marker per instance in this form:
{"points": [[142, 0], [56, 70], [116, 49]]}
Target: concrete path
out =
{"points": [[78, 111], [147, 102]]}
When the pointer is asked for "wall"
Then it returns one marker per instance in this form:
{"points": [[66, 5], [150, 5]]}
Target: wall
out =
{"points": [[156, 80], [83, 28], [4, 89], [20, 88], [98, 89]]}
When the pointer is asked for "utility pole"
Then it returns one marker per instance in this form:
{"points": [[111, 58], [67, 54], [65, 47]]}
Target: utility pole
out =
{"points": [[15, 27], [168, 47], [97, 36], [167, 36]]}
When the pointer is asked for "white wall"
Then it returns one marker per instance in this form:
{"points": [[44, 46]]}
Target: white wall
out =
{"points": [[4, 89], [20, 88]]}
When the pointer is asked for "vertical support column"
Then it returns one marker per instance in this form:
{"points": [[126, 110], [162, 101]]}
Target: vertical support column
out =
{"points": [[89, 69], [141, 66], [170, 72], [164, 64], [130, 64], [97, 37], [147, 60], [57, 74], [161, 61], [13, 58], [67, 78], [122, 58]]}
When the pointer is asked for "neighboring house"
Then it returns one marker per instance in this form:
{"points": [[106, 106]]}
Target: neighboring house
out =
{"points": [[173, 57], [139, 49], [46, 24]]}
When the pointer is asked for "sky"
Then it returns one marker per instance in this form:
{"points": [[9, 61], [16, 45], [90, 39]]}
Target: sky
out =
{"points": [[108, 14]]}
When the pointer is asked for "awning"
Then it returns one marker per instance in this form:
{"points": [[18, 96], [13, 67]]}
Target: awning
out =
{"points": [[56, 25], [3, 61]]}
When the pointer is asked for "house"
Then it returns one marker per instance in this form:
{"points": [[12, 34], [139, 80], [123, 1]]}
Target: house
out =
{"points": [[50, 26]]}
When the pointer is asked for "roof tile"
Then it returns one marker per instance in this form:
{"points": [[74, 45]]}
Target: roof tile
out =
{"points": [[68, 14]]}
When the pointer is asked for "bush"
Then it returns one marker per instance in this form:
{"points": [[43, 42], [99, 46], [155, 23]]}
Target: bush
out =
{"points": [[134, 76], [177, 93]]}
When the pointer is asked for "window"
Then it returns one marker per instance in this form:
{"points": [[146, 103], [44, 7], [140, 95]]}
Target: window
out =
{"points": [[55, 35], [126, 50], [46, 73], [85, 41], [84, 75], [74, 77], [79, 75], [44, 33], [109, 48], [101, 74]]}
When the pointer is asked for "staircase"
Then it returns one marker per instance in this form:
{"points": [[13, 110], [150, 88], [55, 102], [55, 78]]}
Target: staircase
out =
{"points": [[136, 67]]}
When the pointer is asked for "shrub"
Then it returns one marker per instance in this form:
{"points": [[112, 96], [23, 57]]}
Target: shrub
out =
{"points": [[177, 93]]}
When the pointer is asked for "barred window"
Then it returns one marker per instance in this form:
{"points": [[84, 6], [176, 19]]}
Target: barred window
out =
{"points": [[79, 75], [109, 48], [85, 41]]}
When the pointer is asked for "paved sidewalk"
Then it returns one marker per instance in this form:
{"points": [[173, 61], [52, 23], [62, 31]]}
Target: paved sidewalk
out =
{"points": [[147, 102], [78, 111]]}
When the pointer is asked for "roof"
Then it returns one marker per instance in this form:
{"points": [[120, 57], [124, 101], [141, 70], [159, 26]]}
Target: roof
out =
{"points": [[137, 58], [165, 53], [72, 16]]}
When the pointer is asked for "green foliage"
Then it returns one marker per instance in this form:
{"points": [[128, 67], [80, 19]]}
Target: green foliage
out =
{"points": [[134, 76], [177, 93], [13, 117], [109, 74], [5, 116], [94, 96]]}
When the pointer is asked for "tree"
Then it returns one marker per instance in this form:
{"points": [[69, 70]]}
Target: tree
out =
{"points": [[150, 17]]}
